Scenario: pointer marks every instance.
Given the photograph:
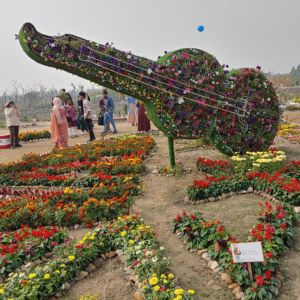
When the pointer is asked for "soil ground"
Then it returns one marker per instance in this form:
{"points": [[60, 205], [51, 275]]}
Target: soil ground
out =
{"points": [[161, 202]]}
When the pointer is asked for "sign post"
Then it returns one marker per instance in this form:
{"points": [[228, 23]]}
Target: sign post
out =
{"points": [[247, 253]]}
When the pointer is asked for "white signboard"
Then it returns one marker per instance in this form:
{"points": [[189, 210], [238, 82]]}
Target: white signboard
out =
{"points": [[247, 252]]}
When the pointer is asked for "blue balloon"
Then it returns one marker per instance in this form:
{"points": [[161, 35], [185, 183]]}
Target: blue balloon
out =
{"points": [[200, 28]]}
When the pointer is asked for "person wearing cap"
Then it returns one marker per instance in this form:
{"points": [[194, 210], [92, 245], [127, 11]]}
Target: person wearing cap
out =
{"points": [[12, 116]]}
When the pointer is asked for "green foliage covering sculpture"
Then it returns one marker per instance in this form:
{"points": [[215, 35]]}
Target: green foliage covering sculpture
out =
{"points": [[187, 93]]}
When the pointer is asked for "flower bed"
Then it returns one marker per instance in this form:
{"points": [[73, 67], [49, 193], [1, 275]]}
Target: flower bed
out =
{"points": [[290, 132], [108, 199], [34, 135], [261, 171], [140, 252], [274, 229], [138, 145], [26, 244]]}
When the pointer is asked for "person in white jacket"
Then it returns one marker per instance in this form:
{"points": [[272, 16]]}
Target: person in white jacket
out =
{"points": [[12, 116]]}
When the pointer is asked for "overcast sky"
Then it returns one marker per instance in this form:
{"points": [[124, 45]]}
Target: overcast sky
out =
{"points": [[241, 33]]}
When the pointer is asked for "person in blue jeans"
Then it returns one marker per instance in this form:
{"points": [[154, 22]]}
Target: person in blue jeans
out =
{"points": [[108, 112]]}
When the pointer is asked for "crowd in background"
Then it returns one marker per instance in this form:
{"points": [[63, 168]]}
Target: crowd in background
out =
{"points": [[68, 121]]}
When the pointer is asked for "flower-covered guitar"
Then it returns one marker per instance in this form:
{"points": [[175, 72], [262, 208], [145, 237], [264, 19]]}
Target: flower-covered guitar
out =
{"points": [[187, 93]]}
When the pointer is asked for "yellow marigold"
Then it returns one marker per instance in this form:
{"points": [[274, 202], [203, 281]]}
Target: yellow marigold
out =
{"points": [[153, 280], [32, 275], [71, 257], [170, 276], [156, 288], [1, 291], [47, 276], [178, 292], [123, 233], [192, 292]]}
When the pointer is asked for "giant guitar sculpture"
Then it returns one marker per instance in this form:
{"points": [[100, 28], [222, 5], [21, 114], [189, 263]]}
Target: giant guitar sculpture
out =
{"points": [[187, 93]]}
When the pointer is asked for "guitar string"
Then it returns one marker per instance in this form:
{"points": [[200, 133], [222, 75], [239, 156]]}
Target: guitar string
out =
{"points": [[137, 74], [206, 97], [162, 76], [192, 100], [165, 91]]}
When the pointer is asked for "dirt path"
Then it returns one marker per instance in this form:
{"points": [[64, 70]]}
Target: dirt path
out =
{"points": [[110, 282]]}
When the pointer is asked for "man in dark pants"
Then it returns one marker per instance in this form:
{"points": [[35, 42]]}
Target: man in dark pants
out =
{"points": [[87, 114]]}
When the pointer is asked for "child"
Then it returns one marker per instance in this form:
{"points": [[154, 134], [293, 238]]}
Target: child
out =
{"points": [[71, 118]]}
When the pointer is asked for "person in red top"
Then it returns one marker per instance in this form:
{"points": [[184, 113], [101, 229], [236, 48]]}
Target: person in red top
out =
{"points": [[71, 118]]}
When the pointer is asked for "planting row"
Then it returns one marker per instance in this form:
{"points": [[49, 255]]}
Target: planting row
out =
{"points": [[109, 198], [262, 171], [140, 251], [34, 135], [27, 244], [135, 145]]}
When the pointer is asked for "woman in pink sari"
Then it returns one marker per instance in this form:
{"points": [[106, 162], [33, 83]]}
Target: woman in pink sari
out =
{"points": [[59, 124]]}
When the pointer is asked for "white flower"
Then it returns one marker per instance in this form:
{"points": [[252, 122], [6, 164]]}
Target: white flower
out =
{"points": [[180, 100], [149, 71], [154, 259]]}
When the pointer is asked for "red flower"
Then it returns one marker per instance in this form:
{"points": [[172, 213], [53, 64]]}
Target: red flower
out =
{"points": [[187, 229], [260, 280], [283, 226], [178, 218], [268, 274], [260, 227], [53, 244], [193, 217], [280, 215], [220, 228]]}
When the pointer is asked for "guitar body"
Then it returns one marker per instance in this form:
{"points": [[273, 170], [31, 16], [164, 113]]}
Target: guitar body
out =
{"points": [[187, 93]]}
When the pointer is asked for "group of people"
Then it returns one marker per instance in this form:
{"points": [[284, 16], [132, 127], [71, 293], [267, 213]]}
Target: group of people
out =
{"points": [[137, 114], [66, 120]]}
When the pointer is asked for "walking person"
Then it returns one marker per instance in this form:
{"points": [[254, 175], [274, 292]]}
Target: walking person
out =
{"points": [[59, 124], [87, 115], [109, 112], [12, 116], [143, 121], [132, 111], [71, 118], [80, 119]]}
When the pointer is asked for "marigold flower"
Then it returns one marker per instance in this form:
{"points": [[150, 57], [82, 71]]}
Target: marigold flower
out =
{"points": [[31, 275], [156, 288], [47, 276], [71, 257], [178, 292], [153, 280]]}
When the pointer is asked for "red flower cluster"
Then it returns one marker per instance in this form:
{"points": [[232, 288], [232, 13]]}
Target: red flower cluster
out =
{"points": [[205, 183]]}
